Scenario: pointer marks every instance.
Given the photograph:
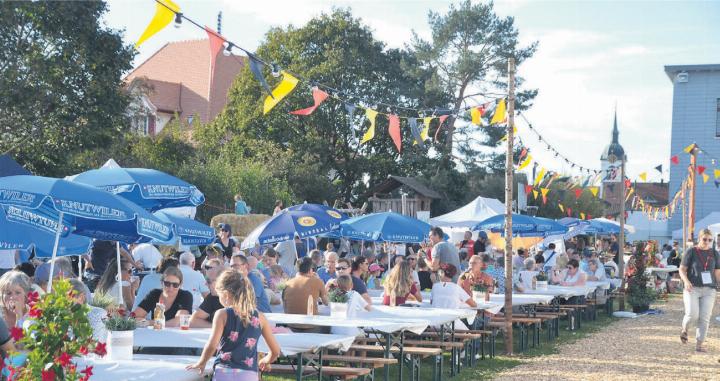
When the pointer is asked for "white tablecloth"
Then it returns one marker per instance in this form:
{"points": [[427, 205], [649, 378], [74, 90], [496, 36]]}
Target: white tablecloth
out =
{"points": [[490, 307], [564, 291], [382, 325], [665, 270], [143, 367], [424, 312], [522, 299], [603, 285], [290, 343]]}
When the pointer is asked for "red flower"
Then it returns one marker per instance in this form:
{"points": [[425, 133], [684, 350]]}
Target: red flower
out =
{"points": [[83, 350], [35, 313], [87, 371], [48, 375], [17, 333], [63, 359], [33, 297], [100, 349]]}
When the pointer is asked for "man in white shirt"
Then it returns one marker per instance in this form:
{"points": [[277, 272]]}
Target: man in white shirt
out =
{"points": [[288, 256], [193, 281], [146, 254], [550, 256]]}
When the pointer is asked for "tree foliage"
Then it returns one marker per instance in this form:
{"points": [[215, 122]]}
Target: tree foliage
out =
{"points": [[60, 81]]}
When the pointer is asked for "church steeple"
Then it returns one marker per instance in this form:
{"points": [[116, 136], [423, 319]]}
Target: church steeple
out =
{"points": [[614, 149], [615, 131]]}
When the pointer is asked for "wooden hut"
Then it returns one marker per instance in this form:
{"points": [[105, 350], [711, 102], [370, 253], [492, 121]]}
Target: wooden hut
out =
{"points": [[405, 195]]}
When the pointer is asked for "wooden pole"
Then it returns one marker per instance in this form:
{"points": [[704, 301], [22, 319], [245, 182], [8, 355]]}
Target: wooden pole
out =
{"points": [[509, 168], [621, 239], [684, 217], [691, 206]]}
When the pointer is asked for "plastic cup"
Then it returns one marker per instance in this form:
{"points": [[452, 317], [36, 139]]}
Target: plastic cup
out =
{"points": [[184, 322]]}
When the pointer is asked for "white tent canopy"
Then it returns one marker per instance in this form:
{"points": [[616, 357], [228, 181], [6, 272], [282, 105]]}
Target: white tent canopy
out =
{"points": [[469, 215], [647, 229], [711, 219]]}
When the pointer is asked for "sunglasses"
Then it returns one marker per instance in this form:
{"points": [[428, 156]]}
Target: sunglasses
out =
{"points": [[129, 271], [707, 239], [171, 284], [342, 268], [208, 268], [412, 259]]}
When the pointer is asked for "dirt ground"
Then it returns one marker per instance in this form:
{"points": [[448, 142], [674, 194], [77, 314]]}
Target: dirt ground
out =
{"points": [[645, 348]]}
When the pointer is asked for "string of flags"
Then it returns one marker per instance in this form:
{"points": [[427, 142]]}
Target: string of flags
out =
{"points": [[486, 114]]}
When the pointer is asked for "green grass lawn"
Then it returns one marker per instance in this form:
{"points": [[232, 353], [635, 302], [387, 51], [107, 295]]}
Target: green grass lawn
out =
{"points": [[488, 368]]}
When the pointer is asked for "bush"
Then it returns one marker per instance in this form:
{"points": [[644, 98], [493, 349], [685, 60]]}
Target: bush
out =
{"points": [[119, 323]]}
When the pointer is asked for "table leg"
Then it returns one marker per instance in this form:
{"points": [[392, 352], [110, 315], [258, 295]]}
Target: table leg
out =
{"points": [[299, 367], [402, 356], [388, 345]]}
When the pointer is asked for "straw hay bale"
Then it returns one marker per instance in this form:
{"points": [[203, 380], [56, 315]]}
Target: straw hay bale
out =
{"points": [[241, 225]]}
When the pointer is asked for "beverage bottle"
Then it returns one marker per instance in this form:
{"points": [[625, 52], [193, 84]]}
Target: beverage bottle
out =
{"points": [[310, 306], [159, 316]]}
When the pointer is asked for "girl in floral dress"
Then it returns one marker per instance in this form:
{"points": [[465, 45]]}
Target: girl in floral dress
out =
{"points": [[235, 333]]}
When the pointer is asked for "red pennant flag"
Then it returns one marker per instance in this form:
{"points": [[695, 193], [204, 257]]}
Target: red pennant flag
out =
{"points": [[442, 120], [216, 46], [628, 183], [528, 189], [700, 169], [675, 160], [319, 96], [578, 193], [394, 130], [522, 154], [589, 217], [569, 211]]}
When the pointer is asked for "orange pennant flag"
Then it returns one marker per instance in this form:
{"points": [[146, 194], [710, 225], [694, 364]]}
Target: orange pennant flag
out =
{"points": [[394, 130], [319, 96], [544, 192]]}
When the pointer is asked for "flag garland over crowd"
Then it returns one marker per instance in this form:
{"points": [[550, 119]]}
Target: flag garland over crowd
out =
{"points": [[490, 113]]}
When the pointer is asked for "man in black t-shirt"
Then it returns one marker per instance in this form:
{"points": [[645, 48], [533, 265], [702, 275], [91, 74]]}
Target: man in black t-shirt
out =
{"points": [[203, 316]]}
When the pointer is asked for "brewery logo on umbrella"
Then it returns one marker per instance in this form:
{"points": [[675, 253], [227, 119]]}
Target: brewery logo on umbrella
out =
{"points": [[306, 221], [333, 214]]}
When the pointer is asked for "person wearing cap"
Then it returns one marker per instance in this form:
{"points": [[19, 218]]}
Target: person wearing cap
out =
{"points": [[446, 293], [225, 239], [375, 278]]}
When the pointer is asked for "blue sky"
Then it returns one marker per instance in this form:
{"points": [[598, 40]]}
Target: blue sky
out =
{"points": [[591, 55]]}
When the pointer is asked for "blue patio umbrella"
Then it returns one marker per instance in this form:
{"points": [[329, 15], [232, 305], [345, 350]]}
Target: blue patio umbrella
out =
{"points": [[188, 231], [24, 237], [149, 188], [288, 223], [571, 222], [385, 226], [600, 227], [522, 225], [63, 207], [317, 208]]}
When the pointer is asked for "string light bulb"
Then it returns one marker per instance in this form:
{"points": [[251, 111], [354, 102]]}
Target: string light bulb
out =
{"points": [[275, 70], [228, 49], [178, 20]]}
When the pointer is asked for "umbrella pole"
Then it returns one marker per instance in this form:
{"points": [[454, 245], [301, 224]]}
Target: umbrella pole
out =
{"points": [[119, 272], [55, 248], [509, 167]]}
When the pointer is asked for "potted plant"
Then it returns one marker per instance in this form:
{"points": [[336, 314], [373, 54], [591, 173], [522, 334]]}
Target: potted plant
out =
{"points": [[59, 330], [541, 280], [338, 303], [104, 301], [639, 296], [480, 292], [120, 337]]}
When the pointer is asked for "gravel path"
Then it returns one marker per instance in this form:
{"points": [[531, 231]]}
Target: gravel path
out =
{"points": [[630, 349]]}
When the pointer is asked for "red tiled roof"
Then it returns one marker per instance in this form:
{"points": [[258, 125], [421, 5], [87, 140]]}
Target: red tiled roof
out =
{"points": [[187, 65]]}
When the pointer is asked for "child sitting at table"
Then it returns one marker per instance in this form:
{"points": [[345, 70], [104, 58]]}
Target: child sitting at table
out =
{"points": [[235, 333], [374, 282]]}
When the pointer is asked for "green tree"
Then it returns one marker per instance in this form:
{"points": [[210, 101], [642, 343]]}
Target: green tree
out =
{"points": [[467, 57], [60, 81], [338, 50]]}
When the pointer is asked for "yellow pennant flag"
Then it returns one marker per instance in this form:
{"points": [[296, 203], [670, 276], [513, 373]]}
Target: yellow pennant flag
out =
{"points": [[544, 191], [643, 176], [582, 215], [426, 129], [164, 14], [475, 116], [525, 163], [717, 173], [499, 115], [370, 133], [562, 208], [540, 176], [629, 193], [706, 177], [535, 194], [287, 85], [689, 148], [594, 191]]}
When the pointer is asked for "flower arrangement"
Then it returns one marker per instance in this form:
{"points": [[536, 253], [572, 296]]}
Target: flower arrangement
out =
{"points": [[638, 294], [59, 331], [480, 287], [541, 277], [120, 323], [338, 296]]}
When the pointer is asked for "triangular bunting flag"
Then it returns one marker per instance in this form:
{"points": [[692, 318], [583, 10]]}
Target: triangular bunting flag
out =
{"points": [[523, 152], [394, 130], [216, 46], [318, 97], [701, 169], [705, 178], [578, 193], [441, 119], [594, 190], [569, 211], [424, 134], [544, 192], [717, 184], [539, 177], [525, 163], [589, 217], [370, 133], [476, 114], [287, 85], [562, 208], [499, 115], [643, 176], [582, 215], [659, 168], [528, 189], [415, 131], [716, 172], [675, 160], [630, 191], [628, 183], [535, 193], [256, 70], [165, 11], [689, 148]]}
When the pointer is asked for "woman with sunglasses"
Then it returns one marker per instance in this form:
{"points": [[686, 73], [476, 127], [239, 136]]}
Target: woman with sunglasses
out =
{"points": [[109, 285], [175, 300], [699, 271]]}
